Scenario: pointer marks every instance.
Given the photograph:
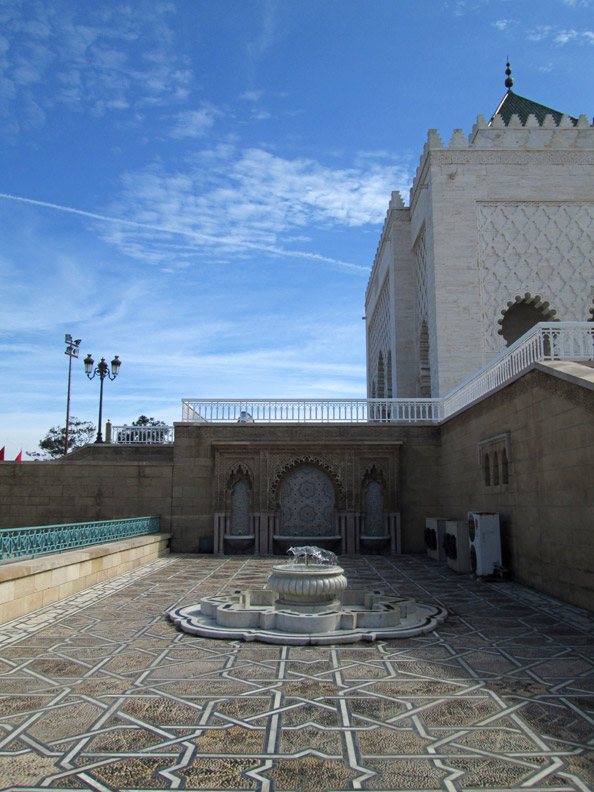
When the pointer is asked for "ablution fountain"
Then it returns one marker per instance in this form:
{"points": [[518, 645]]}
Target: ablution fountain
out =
{"points": [[306, 601]]}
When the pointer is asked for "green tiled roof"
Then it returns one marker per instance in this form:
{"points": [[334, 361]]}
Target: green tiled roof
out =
{"points": [[513, 104]]}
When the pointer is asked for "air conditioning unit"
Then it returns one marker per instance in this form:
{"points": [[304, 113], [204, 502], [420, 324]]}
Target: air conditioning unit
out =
{"points": [[434, 536], [485, 542], [457, 545]]}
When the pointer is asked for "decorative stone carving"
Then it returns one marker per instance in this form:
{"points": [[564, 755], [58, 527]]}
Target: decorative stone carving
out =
{"points": [[287, 463], [307, 503], [538, 248]]}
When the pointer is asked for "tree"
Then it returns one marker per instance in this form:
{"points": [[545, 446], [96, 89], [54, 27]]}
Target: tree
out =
{"points": [[142, 420], [52, 446]]}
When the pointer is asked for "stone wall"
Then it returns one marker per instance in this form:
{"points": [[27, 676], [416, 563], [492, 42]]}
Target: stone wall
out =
{"points": [[206, 454], [97, 482], [547, 506]]}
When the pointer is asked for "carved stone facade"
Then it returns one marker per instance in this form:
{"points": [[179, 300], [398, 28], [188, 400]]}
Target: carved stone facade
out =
{"points": [[309, 489], [498, 235]]}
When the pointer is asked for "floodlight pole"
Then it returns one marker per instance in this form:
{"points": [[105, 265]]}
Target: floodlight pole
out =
{"points": [[72, 352]]}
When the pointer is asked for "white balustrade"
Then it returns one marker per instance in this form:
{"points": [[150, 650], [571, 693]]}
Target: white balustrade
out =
{"points": [[555, 341], [149, 435]]}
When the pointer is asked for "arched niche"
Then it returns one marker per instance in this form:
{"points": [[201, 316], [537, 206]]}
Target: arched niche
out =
{"points": [[307, 503], [239, 536], [374, 537]]}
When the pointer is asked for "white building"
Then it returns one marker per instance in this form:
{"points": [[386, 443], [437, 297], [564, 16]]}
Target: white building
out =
{"points": [[498, 235]]}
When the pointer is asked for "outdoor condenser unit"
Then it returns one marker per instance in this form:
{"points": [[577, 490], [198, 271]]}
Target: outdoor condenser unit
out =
{"points": [[434, 537], [457, 545], [485, 542]]}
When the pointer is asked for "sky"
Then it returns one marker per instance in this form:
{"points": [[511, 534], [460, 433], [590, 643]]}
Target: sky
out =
{"points": [[199, 186]]}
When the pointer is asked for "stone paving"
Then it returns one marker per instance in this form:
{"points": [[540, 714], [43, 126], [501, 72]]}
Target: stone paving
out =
{"points": [[100, 692]]}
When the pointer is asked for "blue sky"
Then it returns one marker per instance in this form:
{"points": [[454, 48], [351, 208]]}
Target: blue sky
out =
{"points": [[199, 186]]}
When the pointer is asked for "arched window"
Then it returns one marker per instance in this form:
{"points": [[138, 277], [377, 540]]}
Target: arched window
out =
{"points": [[495, 469], [504, 467], [487, 470], [424, 364], [381, 381]]}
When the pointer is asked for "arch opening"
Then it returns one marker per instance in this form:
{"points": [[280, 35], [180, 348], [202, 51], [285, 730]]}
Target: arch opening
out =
{"points": [[521, 316]]}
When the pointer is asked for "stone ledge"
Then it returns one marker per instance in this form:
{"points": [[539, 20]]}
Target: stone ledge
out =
{"points": [[10, 570], [577, 373], [28, 585]]}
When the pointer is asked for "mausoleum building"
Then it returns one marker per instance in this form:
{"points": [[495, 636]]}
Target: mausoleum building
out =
{"points": [[497, 236]]}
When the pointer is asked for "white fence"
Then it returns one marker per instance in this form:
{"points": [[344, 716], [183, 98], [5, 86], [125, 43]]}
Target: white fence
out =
{"points": [[309, 410], [556, 341], [126, 435]]}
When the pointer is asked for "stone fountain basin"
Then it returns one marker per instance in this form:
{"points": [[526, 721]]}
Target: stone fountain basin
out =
{"points": [[307, 587], [255, 615]]}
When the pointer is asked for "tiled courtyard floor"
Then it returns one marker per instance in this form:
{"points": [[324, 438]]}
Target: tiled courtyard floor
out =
{"points": [[101, 692]]}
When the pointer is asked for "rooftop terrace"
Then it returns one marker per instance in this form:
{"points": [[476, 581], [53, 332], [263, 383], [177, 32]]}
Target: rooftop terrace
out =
{"points": [[99, 692]]}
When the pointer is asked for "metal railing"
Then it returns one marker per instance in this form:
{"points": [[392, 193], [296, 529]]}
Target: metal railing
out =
{"points": [[40, 539], [555, 341], [126, 435]]}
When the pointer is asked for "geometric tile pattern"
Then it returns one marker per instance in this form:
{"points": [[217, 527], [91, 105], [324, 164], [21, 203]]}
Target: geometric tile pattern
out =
{"points": [[104, 694], [538, 248]]}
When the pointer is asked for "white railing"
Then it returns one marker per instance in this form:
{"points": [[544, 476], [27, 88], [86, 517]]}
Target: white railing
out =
{"points": [[309, 410], [556, 341], [125, 435]]}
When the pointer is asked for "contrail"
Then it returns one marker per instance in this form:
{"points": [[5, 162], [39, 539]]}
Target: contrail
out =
{"points": [[206, 238]]}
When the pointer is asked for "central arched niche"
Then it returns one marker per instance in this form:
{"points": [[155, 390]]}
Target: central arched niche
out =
{"points": [[306, 500]]}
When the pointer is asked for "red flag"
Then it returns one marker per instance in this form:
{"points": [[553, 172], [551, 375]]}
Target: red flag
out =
{"points": [[2, 453], [19, 456]]}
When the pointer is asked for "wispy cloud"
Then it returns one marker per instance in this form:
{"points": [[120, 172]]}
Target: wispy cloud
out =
{"points": [[156, 235], [566, 35], [232, 200], [117, 58], [505, 24], [560, 36], [194, 123]]}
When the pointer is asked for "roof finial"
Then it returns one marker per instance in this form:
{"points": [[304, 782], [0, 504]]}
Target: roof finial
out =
{"points": [[509, 80]]}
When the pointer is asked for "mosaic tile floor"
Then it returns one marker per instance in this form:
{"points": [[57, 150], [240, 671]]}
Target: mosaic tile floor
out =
{"points": [[100, 692]]}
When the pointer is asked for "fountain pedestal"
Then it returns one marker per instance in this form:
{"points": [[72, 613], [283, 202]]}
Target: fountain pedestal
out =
{"points": [[307, 588]]}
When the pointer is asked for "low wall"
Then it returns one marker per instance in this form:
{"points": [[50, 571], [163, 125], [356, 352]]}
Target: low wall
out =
{"points": [[33, 583]]}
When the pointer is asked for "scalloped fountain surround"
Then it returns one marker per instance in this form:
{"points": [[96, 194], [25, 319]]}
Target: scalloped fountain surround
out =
{"points": [[307, 604]]}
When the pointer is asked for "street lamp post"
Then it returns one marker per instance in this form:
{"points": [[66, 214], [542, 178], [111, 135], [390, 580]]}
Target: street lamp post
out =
{"points": [[72, 352], [103, 371]]}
